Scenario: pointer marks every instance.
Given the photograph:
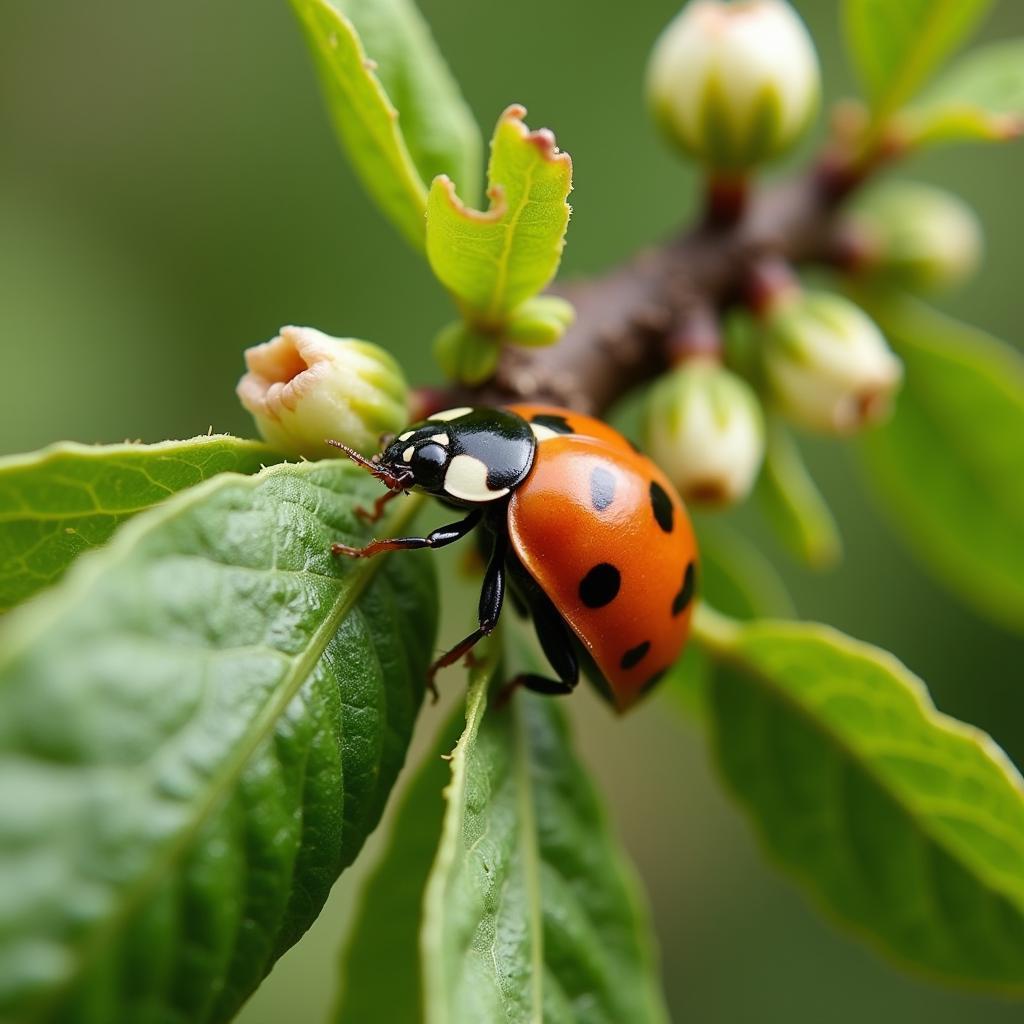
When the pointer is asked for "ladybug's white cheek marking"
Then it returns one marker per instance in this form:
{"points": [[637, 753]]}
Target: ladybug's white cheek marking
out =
{"points": [[467, 479], [449, 414], [541, 432], [406, 435], [408, 453], [440, 439]]}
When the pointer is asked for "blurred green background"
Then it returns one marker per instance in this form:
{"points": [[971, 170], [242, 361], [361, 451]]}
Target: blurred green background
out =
{"points": [[170, 193]]}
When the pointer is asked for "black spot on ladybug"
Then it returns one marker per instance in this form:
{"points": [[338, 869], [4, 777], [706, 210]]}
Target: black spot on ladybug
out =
{"points": [[602, 487], [559, 424], [635, 655], [661, 503], [685, 595], [600, 586]]}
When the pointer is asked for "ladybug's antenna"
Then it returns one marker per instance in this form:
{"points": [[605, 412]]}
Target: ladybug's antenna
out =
{"points": [[392, 480]]}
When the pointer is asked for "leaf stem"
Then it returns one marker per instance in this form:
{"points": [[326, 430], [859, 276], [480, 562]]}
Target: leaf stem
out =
{"points": [[715, 632]]}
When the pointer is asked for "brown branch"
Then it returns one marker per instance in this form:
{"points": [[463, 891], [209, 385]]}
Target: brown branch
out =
{"points": [[626, 319]]}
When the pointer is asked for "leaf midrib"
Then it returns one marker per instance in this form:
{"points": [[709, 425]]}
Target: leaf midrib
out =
{"points": [[511, 222], [529, 844], [358, 579], [984, 875]]}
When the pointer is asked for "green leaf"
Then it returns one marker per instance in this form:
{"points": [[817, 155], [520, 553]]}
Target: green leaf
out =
{"points": [[59, 502], [792, 503], [493, 261], [949, 465], [901, 822], [381, 953], [897, 46], [981, 98], [530, 911], [737, 580], [364, 118], [198, 729]]}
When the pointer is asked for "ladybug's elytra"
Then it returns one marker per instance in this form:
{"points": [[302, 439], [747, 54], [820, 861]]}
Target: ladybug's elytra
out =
{"points": [[588, 532]]}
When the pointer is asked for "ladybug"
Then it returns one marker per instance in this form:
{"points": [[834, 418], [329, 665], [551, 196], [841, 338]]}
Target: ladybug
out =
{"points": [[591, 538]]}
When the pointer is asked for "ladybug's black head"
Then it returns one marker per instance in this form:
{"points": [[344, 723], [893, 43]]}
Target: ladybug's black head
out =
{"points": [[467, 456]]}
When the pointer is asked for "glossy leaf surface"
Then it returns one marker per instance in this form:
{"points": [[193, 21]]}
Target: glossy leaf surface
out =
{"points": [[493, 261], [896, 47], [530, 911], [198, 728], [949, 465], [902, 823], [59, 502]]}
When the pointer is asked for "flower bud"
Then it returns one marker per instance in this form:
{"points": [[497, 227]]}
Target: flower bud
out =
{"points": [[827, 363], [921, 237], [704, 427], [304, 387], [734, 84]]}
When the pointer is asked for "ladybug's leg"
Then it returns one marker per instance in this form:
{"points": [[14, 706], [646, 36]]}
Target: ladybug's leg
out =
{"points": [[437, 539], [556, 643], [371, 515], [492, 594]]}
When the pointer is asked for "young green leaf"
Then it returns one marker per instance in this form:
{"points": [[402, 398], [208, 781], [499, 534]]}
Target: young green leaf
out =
{"points": [[980, 98], [530, 912], [364, 117], [735, 578], [903, 823], [493, 261], [381, 953], [897, 46], [792, 503], [59, 502], [949, 465], [198, 728]]}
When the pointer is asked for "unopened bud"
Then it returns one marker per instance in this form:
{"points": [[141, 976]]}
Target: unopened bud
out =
{"points": [[304, 387], [704, 427], [827, 363], [918, 236], [734, 84]]}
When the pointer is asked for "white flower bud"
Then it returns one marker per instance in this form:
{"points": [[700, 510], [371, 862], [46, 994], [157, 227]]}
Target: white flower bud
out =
{"points": [[921, 237], [827, 363], [704, 427], [304, 387], [734, 84]]}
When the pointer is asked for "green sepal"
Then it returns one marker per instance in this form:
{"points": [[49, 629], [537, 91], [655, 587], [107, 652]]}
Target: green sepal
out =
{"points": [[466, 355], [539, 321]]}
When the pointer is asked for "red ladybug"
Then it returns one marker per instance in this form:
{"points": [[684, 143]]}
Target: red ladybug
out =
{"points": [[590, 535]]}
